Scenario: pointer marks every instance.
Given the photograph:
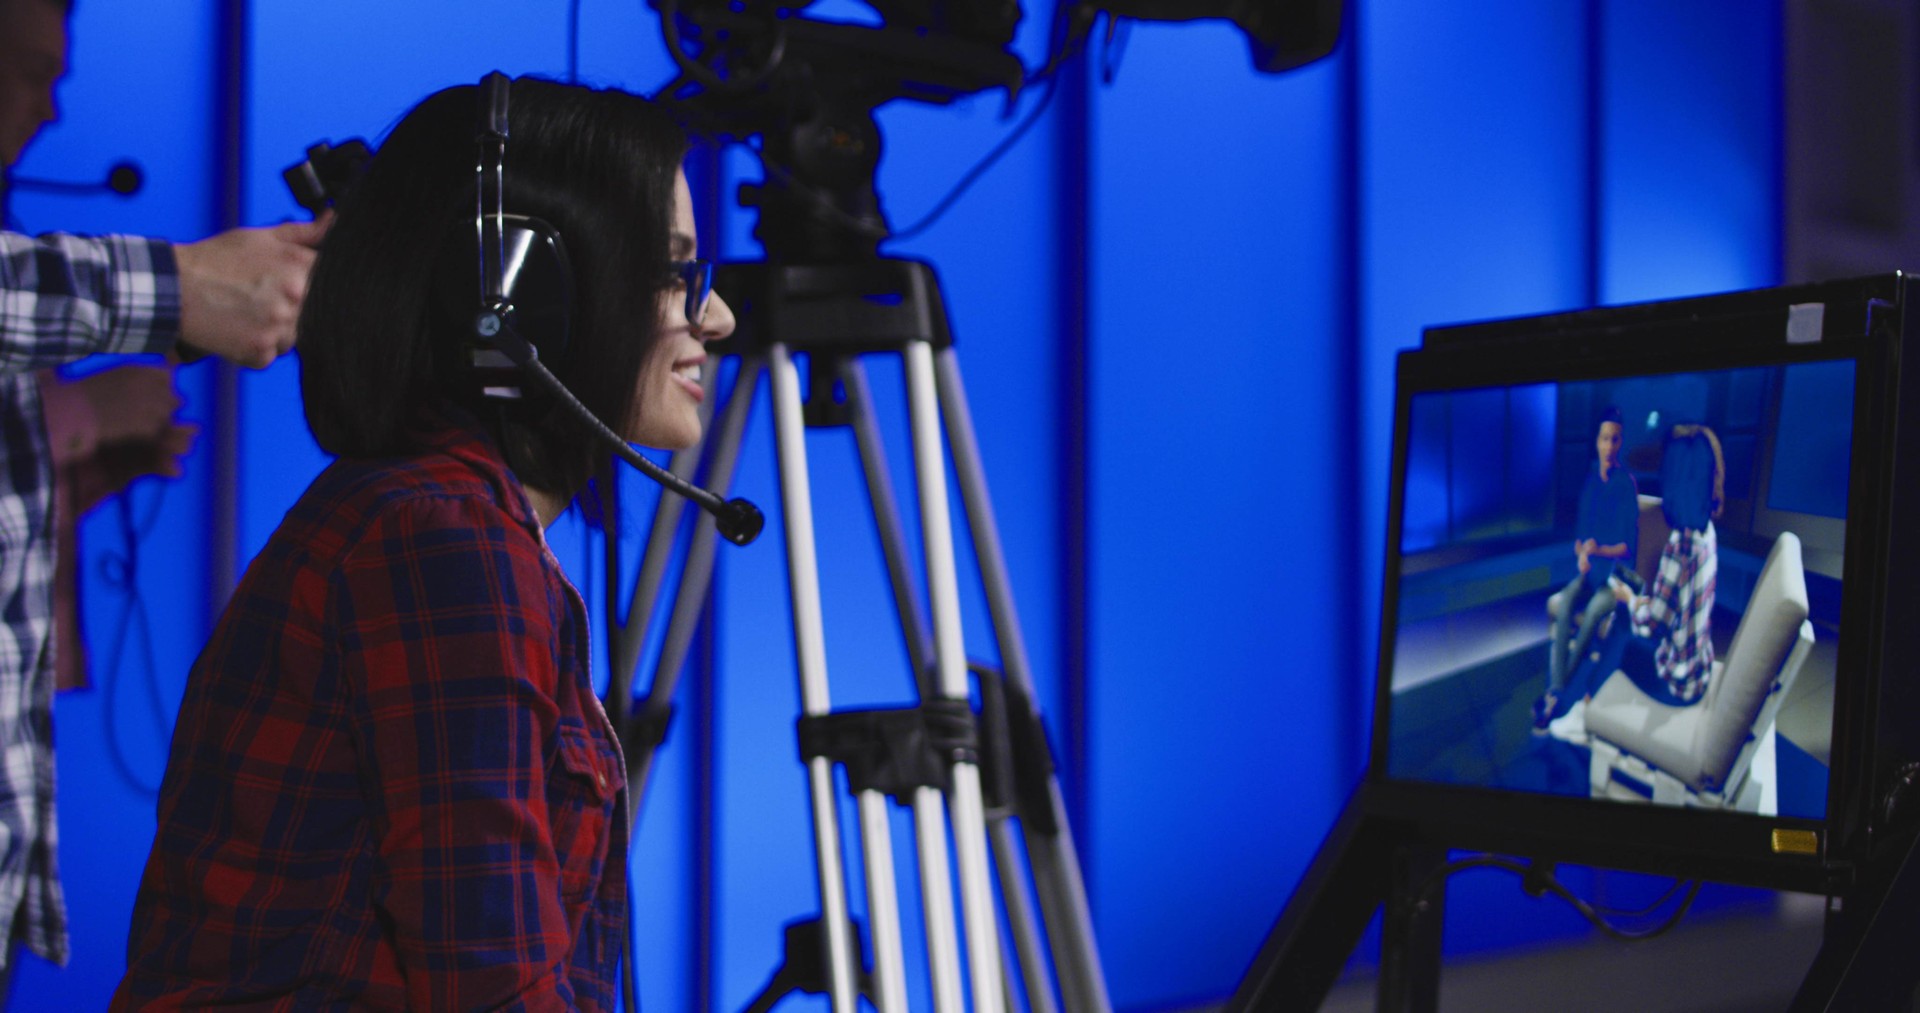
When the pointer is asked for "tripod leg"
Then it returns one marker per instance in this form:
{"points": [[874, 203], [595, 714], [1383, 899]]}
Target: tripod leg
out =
{"points": [[653, 561], [936, 901], [1056, 864], [1026, 936], [626, 638], [803, 574], [723, 448], [969, 810], [886, 518], [883, 906]]}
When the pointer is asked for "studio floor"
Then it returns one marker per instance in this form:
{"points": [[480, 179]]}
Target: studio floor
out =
{"points": [[1470, 722], [1747, 962]]}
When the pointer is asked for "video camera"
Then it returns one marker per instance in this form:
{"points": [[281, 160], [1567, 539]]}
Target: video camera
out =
{"points": [[808, 88]]}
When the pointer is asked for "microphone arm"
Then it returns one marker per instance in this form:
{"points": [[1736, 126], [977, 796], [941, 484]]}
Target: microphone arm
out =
{"points": [[123, 177], [737, 520]]}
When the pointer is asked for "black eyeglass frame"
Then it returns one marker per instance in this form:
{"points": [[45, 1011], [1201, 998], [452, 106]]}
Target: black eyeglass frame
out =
{"points": [[697, 276]]}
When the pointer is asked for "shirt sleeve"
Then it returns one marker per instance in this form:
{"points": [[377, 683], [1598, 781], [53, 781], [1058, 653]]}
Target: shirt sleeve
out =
{"points": [[1659, 609], [1583, 515], [66, 297], [448, 649]]}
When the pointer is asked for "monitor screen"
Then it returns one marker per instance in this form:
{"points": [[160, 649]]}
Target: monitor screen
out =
{"points": [[1623, 587]]}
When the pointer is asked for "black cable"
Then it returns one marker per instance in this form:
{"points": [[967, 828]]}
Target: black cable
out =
{"points": [[1672, 888], [1115, 48], [980, 168], [1540, 878], [122, 572], [573, 41]]}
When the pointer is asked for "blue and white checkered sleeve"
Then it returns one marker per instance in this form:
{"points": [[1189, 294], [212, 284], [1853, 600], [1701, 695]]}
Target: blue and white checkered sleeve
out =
{"points": [[65, 297]]}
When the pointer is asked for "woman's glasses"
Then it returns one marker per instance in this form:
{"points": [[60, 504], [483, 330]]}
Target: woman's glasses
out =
{"points": [[696, 276]]}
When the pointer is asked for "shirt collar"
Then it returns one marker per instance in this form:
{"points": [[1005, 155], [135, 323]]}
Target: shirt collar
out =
{"points": [[453, 431]]}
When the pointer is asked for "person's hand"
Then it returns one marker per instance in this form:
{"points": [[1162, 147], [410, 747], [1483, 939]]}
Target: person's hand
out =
{"points": [[1580, 552], [1621, 592], [134, 402], [116, 465], [240, 291]]}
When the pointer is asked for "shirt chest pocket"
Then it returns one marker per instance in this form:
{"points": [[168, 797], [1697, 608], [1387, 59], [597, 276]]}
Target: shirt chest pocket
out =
{"points": [[582, 788]]}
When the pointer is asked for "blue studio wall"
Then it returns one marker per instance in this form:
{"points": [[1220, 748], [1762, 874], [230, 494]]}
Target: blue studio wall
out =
{"points": [[1177, 303]]}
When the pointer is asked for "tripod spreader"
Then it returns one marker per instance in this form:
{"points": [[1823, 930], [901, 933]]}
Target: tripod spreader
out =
{"points": [[897, 750], [894, 750]]}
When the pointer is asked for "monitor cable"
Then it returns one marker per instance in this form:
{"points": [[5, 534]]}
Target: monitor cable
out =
{"points": [[1538, 878]]}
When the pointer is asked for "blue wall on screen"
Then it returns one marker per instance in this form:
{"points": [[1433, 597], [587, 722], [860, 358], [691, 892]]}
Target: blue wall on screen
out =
{"points": [[1813, 448], [1259, 249]]}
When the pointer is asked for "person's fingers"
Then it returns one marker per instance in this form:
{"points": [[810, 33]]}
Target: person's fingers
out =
{"points": [[177, 440], [307, 234]]}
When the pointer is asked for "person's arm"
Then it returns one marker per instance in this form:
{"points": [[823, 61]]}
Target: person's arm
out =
{"points": [[1618, 550], [65, 297], [1624, 504], [1583, 544], [241, 290], [1656, 610], [447, 641], [236, 295]]}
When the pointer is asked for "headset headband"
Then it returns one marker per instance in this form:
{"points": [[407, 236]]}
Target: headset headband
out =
{"points": [[491, 188]]}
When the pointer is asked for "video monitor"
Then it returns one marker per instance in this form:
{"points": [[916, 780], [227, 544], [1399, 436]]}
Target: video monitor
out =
{"points": [[1688, 673], [1635, 573]]}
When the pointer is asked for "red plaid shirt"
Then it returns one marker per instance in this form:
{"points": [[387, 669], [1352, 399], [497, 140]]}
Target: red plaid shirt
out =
{"points": [[391, 784]]}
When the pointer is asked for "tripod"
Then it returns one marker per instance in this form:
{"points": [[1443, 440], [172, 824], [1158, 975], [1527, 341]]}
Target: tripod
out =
{"points": [[939, 758]]}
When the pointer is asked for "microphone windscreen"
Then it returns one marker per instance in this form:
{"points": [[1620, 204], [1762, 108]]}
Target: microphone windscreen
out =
{"points": [[125, 178]]}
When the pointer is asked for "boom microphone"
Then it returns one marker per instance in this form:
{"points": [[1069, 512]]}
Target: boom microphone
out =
{"points": [[737, 520], [123, 177]]}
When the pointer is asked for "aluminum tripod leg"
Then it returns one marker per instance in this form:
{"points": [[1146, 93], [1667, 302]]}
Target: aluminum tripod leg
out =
{"points": [[803, 577], [886, 513], [933, 385], [969, 808], [886, 521], [1055, 863], [723, 450]]}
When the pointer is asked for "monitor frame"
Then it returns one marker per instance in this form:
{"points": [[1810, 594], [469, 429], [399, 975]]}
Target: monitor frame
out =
{"points": [[1863, 320]]}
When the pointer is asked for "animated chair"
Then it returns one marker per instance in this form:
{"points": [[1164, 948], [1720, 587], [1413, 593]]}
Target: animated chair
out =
{"points": [[1653, 537], [1701, 754]]}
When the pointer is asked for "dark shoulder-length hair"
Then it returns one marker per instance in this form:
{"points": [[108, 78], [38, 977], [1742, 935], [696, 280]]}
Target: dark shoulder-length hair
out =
{"points": [[1693, 477], [378, 343]]}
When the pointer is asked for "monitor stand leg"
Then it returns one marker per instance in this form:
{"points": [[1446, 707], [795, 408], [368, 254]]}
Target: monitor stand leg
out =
{"points": [[1365, 863], [1866, 960], [1410, 933]]}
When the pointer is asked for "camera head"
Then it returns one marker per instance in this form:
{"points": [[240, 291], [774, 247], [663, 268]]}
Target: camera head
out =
{"points": [[808, 88]]}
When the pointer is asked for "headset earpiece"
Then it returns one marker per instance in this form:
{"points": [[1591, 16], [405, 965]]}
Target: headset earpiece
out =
{"points": [[535, 297], [524, 286], [520, 320]]}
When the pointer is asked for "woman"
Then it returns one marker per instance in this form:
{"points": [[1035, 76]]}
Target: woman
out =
{"points": [[391, 785], [1671, 654]]}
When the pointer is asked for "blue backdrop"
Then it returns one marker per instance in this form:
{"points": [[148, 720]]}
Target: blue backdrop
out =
{"points": [[1177, 304]]}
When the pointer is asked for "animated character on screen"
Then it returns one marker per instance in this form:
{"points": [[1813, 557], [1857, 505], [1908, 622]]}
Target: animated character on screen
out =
{"points": [[1606, 536], [1670, 654]]}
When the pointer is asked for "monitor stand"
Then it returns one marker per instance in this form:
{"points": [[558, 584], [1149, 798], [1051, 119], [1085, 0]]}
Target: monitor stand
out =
{"points": [[1866, 958], [1369, 863]]}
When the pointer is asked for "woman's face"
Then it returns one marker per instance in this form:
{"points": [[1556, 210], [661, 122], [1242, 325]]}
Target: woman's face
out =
{"points": [[668, 403]]}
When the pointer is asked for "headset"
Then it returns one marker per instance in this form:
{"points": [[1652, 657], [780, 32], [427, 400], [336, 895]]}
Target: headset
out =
{"points": [[525, 310]]}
